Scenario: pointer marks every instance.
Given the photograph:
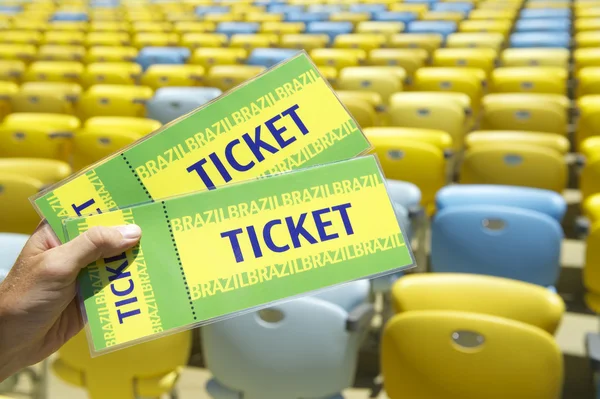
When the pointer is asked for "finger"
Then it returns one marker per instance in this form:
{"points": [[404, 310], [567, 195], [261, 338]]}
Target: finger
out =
{"points": [[98, 242], [42, 239]]}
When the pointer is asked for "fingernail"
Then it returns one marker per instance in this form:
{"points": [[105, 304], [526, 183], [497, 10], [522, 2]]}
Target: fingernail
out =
{"points": [[129, 231]]}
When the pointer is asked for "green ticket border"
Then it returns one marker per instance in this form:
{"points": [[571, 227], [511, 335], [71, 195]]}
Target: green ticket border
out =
{"points": [[175, 254]]}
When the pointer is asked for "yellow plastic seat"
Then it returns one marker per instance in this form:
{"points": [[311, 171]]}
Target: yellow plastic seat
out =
{"points": [[282, 28], [111, 54], [354, 17], [586, 57], [587, 39], [418, 9], [24, 24], [158, 75], [526, 111], [425, 41], [208, 56], [469, 347], [589, 179], [588, 81], [70, 26], [46, 97], [226, 77], [588, 122], [330, 74], [253, 40], [413, 155], [552, 141], [338, 58], [365, 41], [380, 27], [48, 171], [154, 39], [590, 148], [15, 190], [218, 17], [383, 80], [11, 70], [102, 136], [54, 71], [149, 369], [37, 135], [591, 269], [107, 39], [482, 58], [492, 40], [496, 296], [150, 27], [543, 80], [304, 41], [587, 24], [527, 57], [591, 208], [8, 90], [483, 26], [195, 40], [363, 109], [469, 81], [113, 73], [193, 27], [443, 16], [109, 26], [21, 37], [408, 59], [21, 52], [515, 164], [419, 110], [263, 17], [491, 15], [64, 38], [61, 53], [114, 100]]}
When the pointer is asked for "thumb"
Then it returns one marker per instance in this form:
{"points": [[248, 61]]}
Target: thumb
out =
{"points": [[98, 242]]}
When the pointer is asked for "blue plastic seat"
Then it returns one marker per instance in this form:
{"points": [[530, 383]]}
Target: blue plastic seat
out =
{"points": [[540, 39], [169, 103], [395, 16], [370, 8], [162, 55], [332, 29], [428, 2], [304, 348], [327, 8], [545, 13], [232, 28], [105, 3], [69, 16], [545, 201], [306, 17], [284, 8], [496, 240], [6, 9], [203, 10], [443, 28], [268, 57], [458, 7], [543, 25]]}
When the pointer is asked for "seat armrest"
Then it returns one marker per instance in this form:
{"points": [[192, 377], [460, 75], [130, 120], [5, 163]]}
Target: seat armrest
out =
{"points": [[592, 344], [360, 316]]}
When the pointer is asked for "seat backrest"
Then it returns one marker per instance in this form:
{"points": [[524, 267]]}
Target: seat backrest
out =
{"points": [[19, 216], [540, 39], [48, 171], [589, 179], [512, 299], [552, 141], [544, 201], [301, 347], [497, 240], [461, 355]]}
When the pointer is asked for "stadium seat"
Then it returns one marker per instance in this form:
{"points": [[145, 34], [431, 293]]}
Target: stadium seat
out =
{"points": [[588, 122], [544, 13], [524, 302], [194, 40], [281, 28], [159, 75], [404, 7], [14, 194], [21, 37], [114, 73], [353, 17], [253, 40], [443, 28], [425, 41], [589, 178], [552, 25], [586, 57], [587, 24], [329, 28], [149, 369], [54, 71], [338, 58], [11, 70], [107, 39], [553, 141], [364, 106], [22, 52], [70, 16], [162, 55], [515, 164], [491, 15], [453, 16], [370, 8], [269, 57], [225, 77], [365, 41], [169, 103], [395, 16], [64, 38], [588, 81], [193, 27], [408, 59], [525, 111], [102, 136], [61, 53], [108, 26], [520, 57], [307, 42], [37, 135], [491, 40], [263, 17], [541, 80], [114, 100], [307, 17], [483, 58], [111, 54], [459, 6], [468, 346], [420, 110], [150, 27], [208, 56], [501, 26], [328, 327], [384, 80], [46, 97], [8, 91], [154, 39], [232, 28], [587, 39], [380, 27], [414, 155], [48, 171], [540, 39]]}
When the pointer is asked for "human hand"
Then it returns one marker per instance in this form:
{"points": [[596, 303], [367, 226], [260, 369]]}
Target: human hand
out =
{"points": [[38, 308]]}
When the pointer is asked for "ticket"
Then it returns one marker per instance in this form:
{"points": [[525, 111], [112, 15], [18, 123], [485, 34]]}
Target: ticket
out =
{"points": [[287, 118], [213, 254]]}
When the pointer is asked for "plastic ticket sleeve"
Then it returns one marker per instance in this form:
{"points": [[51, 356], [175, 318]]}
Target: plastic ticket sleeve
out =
{"points": [[212, 254], [287, 118]]}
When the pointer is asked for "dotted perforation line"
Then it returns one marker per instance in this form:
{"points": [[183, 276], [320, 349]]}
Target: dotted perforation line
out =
{"points": [[187, 287], [136, 176]]}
